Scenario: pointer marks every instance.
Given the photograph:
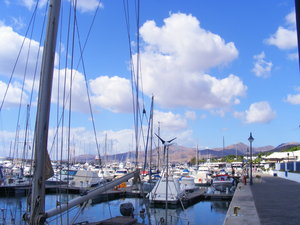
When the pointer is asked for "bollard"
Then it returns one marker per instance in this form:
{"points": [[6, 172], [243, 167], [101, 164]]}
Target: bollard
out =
{"points": [[236, 210]]}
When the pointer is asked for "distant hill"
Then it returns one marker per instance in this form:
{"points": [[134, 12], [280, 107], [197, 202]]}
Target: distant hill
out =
{"points": [[184, 154], [284, 146]]}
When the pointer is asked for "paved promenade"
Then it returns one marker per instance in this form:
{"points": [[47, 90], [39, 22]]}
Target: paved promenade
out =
{"points": [[277, 201], [269, 201]]}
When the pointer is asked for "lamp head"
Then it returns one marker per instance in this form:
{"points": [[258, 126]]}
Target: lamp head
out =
{"points": [[250, 139]]}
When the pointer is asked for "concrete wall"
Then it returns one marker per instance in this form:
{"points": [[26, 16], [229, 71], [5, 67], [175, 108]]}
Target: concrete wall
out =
{"points": [[288, 175]]}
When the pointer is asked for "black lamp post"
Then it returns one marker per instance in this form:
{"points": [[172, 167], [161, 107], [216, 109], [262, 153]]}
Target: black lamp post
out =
{"points": [[251, 139]]}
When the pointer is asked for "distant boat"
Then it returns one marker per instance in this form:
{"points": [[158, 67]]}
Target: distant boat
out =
{"points": [[222, 182]]}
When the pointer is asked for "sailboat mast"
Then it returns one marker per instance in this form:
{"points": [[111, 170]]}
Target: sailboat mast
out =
{"points": [[42, 118], [151, 138]]}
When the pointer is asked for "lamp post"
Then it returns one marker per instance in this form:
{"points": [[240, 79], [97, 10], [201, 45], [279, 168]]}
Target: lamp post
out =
{"points": [[247, 165], [251, 139]]}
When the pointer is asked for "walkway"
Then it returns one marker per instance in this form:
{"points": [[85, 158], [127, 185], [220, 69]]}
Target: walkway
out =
{"points": [[277, 201]]}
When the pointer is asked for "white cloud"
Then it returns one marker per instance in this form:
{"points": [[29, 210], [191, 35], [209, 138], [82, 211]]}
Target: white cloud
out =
{"points": [[190, 115], [291, 19], [285, 38], [79, 94], [262, 68], [18, 23], [169, 120], [293, 56], [259, 112], [293, 99], [174, 59], [182, 39], [13, 95], [28, 3], [7, 2], [112, 93], [10, 44], [88, 5]]}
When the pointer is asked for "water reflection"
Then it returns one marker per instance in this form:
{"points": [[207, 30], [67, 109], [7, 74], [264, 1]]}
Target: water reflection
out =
{"points": [[204, 212]]}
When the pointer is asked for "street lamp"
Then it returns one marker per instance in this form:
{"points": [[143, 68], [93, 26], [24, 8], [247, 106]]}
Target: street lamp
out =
{"points": [[251, 139]]}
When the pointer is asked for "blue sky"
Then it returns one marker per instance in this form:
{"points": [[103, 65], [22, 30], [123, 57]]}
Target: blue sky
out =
{"points": [[215, 68]]}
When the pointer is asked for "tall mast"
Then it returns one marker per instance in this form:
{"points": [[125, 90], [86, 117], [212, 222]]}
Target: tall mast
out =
{"points": [[151, 137], [42, 117], [158, 147]]}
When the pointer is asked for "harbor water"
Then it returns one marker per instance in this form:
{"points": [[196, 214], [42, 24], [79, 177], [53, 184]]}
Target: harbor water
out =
{"points": [[201, 213]]}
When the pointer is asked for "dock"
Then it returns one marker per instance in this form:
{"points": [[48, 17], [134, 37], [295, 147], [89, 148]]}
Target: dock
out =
{"points": [[191, 197], [269, 201]]}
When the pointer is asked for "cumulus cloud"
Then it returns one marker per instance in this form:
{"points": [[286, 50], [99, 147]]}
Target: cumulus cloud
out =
{"points": [[18, 23], [190, 115], [175, 58], [262, 68], [285, 37], [293, 56], [259, 112], [169, 120], [13, 95], [10, 44], [61, 81], [28, 3], [293, 99], [112, 93], [88, 5]]}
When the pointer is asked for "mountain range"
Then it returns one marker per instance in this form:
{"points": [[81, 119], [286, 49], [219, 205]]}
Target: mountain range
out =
{"points": [[184, 154]]}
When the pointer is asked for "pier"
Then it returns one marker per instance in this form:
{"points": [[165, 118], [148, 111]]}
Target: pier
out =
{"points": [[269, 201]]}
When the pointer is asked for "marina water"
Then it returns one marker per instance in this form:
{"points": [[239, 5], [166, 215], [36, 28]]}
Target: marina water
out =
{"points": [[201, 213]]}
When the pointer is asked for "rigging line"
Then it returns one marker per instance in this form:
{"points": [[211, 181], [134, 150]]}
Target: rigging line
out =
{"points": [[137, 83], [71, 75], [65, 81], [139, 62], [88, 95], [81, 208], [64, 93], [71, 83], [126, 14], [59, 157], [148, 132], [18, 56], [58, 83], [35, 73], [63, 213], [133, 79], [67, 97], [22, 90], [89, 32], [132, 71]]}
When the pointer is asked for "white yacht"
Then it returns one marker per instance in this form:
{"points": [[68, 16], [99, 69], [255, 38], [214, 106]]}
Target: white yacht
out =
{"points": [[159, 194], [222, 182], [86, 179]]}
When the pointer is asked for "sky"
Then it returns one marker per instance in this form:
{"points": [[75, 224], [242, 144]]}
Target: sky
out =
{"points": [[215, 68]]}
